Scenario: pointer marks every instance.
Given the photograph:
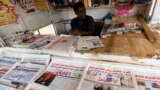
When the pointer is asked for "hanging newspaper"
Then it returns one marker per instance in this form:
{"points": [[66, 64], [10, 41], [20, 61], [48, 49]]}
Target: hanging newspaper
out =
{"points": [[147, 81], [36, 58], [21, 74], [60, 75], [61, 46], [101, 77], [5, 66]]}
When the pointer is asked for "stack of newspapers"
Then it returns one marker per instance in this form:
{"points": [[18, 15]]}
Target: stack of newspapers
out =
{"points": [[30, 71]]}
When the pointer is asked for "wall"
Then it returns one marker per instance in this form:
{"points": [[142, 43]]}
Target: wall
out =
{"points": [[156, 13], [32, 21], [65, 15]]}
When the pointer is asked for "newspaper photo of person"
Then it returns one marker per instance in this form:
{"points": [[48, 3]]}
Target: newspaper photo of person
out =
{"points": [[99, 86], [46, 78], [156, 85], [126, 81]]}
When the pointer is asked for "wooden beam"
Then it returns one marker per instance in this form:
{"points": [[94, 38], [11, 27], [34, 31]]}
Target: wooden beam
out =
{"points": [[149, 33]]}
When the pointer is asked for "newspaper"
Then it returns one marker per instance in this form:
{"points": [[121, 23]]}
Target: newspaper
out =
{"points": [[89, 42], [21, 74], [11, 57], [28, 40], [61, 75], [3, 87], [61, 46], [40, 44], [36, 58], [5, 66], [147, 81], [101, 77]]}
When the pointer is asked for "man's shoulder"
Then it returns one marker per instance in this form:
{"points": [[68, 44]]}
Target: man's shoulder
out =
{"points": [[89, 17], [74, 19]]}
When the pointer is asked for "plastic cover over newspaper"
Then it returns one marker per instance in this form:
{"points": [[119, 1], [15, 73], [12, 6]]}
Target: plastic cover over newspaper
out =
{"points": [[21, 74], [101, 77], [60, 75]]}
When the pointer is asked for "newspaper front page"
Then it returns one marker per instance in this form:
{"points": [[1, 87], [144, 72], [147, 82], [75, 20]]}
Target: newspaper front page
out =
{"points": [[3, 87], [61, 75], [40, 44], [21, 74], [147, 81], [62, 47], [101, 77], [11, 57], [5, 66], [36, 58]]}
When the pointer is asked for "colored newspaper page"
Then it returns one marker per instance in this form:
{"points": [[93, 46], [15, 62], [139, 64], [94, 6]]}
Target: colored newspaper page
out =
{"points": [[101, 77]]}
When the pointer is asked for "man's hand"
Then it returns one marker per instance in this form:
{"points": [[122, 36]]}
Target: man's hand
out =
{"points": [[76, 32]]}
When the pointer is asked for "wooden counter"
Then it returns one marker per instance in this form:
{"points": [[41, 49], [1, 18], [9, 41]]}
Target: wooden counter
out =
{"points": [[132, 44]]}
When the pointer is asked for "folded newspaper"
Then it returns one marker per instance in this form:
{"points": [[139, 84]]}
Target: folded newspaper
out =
{"points": [[61, 46], [89, 42]]}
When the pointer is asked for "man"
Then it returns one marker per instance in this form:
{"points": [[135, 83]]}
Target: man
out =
{"points": [[83, 24]]}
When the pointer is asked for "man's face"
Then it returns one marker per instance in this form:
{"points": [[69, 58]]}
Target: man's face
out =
{"points": [[81, 13]]}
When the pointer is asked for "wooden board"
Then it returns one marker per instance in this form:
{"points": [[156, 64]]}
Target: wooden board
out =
{"points": [[120, 45], [135, 45]]}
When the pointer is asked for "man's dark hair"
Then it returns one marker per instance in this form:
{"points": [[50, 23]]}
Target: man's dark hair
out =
{"points": [[78, 5]]}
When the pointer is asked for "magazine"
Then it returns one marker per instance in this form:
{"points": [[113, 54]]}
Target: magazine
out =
{"points": [[36, 58], [101, 77], [21, 74], [62, 75], [5, 66]]}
